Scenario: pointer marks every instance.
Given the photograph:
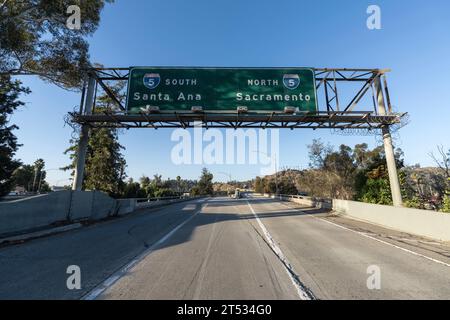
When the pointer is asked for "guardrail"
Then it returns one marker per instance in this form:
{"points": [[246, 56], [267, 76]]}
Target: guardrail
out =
{"points": [[304, 200], [139, 200], [142, 203], [296, 196]]}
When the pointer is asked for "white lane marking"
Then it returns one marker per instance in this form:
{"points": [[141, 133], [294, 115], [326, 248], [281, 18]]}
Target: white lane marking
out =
{"points": [[386, 243], [122, 272], [376, 239], [302, 293]]}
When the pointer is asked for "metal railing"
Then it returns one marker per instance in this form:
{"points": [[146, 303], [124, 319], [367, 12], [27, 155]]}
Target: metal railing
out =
{"points": [[291, 196], [139, 200]]}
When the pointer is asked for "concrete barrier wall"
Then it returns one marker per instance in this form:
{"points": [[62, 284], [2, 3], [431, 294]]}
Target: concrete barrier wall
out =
{"points": [[34, 212], [42, 211], [425, 223], [103, 206], [125, 206], [80, 205]]}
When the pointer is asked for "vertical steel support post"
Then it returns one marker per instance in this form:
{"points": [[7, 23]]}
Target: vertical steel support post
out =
{"points": [[388, 148], [84, 137]]}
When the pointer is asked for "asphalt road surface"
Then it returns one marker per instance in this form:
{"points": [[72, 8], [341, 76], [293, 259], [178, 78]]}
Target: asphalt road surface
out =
{"points": [[221, 248]]}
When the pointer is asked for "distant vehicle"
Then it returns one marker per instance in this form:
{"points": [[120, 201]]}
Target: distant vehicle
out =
{"points": [[237, 194]]}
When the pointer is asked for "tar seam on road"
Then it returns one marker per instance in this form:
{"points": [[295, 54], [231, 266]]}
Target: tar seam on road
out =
{"points": [[376, 239], [202, 271], [93, 294], [303, 292]]}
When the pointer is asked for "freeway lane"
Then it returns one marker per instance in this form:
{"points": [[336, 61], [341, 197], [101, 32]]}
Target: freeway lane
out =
{"points": [[219, 254], [37, 269], [333, 261], [225, 259], [218, 249]]}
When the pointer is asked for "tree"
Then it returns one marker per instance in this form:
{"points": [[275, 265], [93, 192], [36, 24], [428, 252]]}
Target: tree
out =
{"points": [[372, 178], [24, 177], [39, 184], [286, 186], [204, 186], [105, 164], [146, 186], [39, 173], [270, 186], [317, 152], [340, 165], [157, 181], [144, 181], [335, 170], [178, 179], [165, 192], [358, 174], [132, 189], [35, 39], [259, 185], [377, 191], [31, 177], [446, 204], [320, 183], [443, 163], [10, 90], [422, 188]]}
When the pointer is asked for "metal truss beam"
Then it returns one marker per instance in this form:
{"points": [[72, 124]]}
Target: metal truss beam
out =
{"points": [[335, 120], [335, 110]]}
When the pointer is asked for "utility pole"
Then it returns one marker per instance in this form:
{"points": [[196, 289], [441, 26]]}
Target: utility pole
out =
{"points": [[388, 148], [40, 177], [34, 179], [40, 181], [84, 137]]}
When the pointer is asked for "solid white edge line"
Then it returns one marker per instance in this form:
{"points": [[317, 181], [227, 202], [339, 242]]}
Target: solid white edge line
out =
{"points": [[386, 243], [375, 239], [98, 290], [300, 291]]}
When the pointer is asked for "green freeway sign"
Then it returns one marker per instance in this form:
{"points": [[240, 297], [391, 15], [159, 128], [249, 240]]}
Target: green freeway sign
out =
{"points": [[221, 89]]}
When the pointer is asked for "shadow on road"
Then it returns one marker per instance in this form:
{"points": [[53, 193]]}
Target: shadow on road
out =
{"points": [[37, 269], [205, 218]]}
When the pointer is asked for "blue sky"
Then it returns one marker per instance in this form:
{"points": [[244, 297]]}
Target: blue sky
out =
{"points": [[414, 42]]}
